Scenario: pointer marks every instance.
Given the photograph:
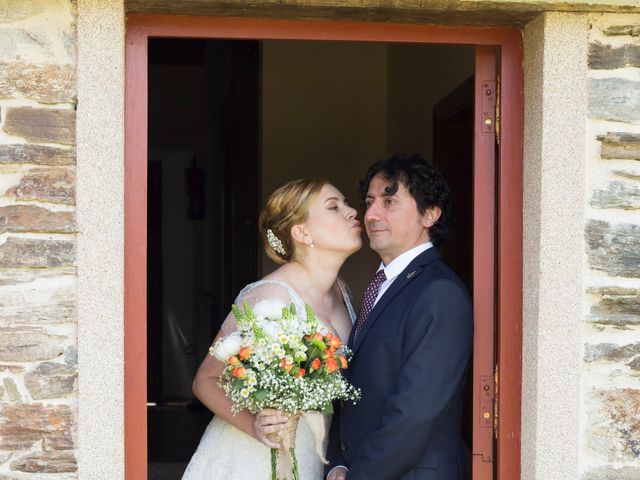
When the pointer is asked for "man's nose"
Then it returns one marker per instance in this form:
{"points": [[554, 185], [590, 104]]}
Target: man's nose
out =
{"points": [[372, 212]]}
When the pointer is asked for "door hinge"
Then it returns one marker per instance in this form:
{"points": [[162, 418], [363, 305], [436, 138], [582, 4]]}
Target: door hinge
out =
{"points": [[498, 109], [496, 379]]}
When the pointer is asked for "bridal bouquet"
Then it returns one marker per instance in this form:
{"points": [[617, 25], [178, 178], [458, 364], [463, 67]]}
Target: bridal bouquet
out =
{"points": [[279, 359]]}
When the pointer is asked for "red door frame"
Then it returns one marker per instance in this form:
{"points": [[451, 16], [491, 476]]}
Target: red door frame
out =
{"points": [[509, 191]]}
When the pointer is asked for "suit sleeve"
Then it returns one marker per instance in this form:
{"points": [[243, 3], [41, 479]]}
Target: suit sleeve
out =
{"points": [[438, 341], [334, 453]]}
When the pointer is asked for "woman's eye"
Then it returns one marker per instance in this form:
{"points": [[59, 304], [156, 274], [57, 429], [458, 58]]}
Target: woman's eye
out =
{"points": [[335, 207]]}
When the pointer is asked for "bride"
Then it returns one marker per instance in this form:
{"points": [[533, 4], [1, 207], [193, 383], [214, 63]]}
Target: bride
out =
{"points": [[310, 230]]}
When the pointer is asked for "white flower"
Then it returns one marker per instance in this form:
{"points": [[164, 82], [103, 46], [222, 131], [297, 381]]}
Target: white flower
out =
{"points": [[271, 309], [227, 346], [271, 328], [244, 392]]}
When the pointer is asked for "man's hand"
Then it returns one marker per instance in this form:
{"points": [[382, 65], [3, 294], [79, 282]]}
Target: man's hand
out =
{"points": [[338, 473]]}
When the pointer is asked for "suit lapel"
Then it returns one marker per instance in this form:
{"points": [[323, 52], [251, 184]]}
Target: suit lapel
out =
{"points": [[413, 271]]}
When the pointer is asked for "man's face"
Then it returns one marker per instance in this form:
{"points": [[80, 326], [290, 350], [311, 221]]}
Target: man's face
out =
{"points": [[393, 222]]}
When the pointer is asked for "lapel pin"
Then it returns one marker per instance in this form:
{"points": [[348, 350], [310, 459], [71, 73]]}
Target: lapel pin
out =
{"points": [[409, 275]]}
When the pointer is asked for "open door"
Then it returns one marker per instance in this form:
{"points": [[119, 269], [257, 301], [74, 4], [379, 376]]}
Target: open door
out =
{"points": [[484, 263], [465, 151]]}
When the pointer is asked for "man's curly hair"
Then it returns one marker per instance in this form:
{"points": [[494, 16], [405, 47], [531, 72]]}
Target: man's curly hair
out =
{"points": [[423, 181]]}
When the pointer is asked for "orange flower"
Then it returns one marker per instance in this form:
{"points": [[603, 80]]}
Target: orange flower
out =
{"points": [[239, 372], [233, 360], [343, 361], [244, 353], [333, 341], [316, 364], [286, 365], [331, 365], [318, 336], [300, 373]]}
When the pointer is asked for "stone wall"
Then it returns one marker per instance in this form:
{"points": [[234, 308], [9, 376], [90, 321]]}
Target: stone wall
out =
{"points": [[38, 372], [611, 357]]}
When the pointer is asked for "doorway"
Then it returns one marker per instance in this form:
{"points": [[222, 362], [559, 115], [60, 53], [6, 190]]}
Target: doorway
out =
{"points": [[319, 109], [191, 167]]}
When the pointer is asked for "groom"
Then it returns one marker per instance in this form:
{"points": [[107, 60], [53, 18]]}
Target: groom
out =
{"points": [[412, 339]]}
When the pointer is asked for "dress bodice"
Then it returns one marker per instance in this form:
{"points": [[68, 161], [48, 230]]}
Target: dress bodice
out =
{"points": [[270, 288]]}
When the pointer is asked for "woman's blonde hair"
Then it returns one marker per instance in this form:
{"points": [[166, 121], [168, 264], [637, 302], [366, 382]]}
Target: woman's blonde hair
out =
{"points": [[287, 206]]}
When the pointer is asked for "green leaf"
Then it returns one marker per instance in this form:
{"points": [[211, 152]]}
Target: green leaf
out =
{"points": [[319, 343], [260, 395], [237, 383]]}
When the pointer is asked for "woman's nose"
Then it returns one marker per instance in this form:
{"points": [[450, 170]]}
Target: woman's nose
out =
{"points": [[352, 213]]}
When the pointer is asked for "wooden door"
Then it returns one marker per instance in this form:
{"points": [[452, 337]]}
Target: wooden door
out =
{"points": [[484, 262], [465, 152]]}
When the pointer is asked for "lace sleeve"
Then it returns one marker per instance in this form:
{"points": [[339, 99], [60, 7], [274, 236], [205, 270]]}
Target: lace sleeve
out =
{"points": [[347, 297], [259, 291]]}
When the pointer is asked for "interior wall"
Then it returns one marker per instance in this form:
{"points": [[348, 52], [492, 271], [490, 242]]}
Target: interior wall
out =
{"points": [[419, 76], [370, 100], [324, 115]]}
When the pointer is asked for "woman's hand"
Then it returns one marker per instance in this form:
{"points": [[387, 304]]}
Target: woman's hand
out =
{"points": [[269, 421]]}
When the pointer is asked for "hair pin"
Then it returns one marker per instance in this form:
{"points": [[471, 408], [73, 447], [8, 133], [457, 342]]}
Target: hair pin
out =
{"points": [[275, 243]]}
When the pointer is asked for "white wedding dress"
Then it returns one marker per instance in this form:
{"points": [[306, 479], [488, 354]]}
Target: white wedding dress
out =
{"points": [[226, 453]]}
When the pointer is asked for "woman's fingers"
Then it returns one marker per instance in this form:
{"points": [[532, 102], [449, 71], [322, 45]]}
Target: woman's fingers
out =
{"points": [[271, 420], [268, 422]]}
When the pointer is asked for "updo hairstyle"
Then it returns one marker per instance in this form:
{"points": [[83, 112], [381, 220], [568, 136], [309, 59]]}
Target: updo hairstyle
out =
{"points": [[287, 206]]}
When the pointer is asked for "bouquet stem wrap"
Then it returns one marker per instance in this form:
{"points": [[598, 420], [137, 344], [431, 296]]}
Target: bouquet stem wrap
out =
{"points": [[284, 464]]}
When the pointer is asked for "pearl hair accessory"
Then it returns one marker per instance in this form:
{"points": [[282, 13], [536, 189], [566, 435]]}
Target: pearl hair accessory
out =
{"points": [[275, 243]]}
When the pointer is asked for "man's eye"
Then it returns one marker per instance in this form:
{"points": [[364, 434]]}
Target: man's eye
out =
{"points": [[389, 201]]}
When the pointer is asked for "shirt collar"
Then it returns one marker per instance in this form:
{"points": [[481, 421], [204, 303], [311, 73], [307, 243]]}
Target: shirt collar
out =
{"points": [[398, 264]]}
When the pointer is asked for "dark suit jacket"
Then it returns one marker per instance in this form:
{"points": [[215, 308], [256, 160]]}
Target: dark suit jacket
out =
{"points": [[410, 360]]}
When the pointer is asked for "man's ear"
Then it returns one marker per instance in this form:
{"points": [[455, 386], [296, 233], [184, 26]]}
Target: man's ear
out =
{"points": [[431, 216]]}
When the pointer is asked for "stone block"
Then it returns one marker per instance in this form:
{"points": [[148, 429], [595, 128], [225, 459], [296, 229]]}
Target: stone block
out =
{"points": [[51, 380], [615, 306], [30, 218], [29, 344], [45, 83], [36, 155], [615, 30], [622, 195], [634, 364], [12, 389], [50, 184], [614, 424], [43, 301], [614, 248], [27, 426], [30, 252], [615, 99], [607, 57], [610, 352], [11, 368], [45, 462], [45, 125], [631, 175], [620, 145], [612, 473], [12, 10]]}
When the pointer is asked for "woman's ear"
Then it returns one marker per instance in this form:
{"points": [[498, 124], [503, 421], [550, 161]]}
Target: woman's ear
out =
{"points": [[300, 235], [431, 216]]}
